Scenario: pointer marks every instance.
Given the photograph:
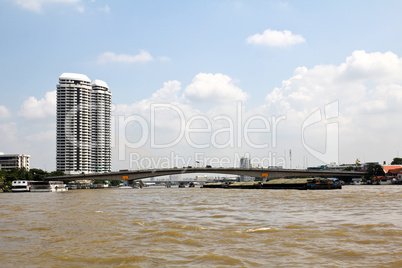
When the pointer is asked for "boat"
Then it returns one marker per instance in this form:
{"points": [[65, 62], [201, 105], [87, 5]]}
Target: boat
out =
{"points": [[48, 186], [21, 186], [126, 187], [285, 184], [58, 186]]}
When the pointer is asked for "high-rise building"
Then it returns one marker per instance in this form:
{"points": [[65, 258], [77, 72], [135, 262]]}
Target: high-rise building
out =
{"points": [[83, 136], [245, 163], [101, 102]]}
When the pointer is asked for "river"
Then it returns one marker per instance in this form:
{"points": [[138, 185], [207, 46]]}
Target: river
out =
{"points": [[358, 226]]}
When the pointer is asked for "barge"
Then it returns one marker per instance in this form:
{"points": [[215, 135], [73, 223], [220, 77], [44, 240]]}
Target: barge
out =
{"points": [[283, 184]]}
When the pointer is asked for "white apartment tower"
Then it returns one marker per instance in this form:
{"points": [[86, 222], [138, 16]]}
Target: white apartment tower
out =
{"points": [[83, 136], [101, 102]]}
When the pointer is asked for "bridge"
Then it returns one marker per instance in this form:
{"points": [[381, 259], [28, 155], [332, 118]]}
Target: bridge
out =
{"points": [[265, 173]]}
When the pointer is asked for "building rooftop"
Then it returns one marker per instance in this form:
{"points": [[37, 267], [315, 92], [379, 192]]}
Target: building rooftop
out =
{"points": [[99, 83], [8, 155], [74, 76], [394, 168]]}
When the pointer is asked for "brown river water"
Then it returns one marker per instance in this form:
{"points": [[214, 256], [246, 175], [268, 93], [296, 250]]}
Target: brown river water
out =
{"points": [[358, 226]]}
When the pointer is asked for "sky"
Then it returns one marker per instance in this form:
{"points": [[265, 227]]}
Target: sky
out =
{"points": [[284, 83]]}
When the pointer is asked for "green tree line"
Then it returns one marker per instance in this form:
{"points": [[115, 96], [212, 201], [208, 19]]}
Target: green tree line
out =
{"points": [[34, 174]]}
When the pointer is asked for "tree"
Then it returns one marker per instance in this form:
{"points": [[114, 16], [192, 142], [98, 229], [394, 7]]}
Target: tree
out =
{"points": [[37, 174], [396, 161], [2, 180], [115, 183], [7, 176], [374, 170], [17, 174], [56, 173]]}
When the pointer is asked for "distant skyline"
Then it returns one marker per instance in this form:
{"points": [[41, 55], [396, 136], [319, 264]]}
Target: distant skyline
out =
{"points": [[193, 80]]}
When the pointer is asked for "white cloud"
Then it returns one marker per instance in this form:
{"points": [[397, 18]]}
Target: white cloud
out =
{"points": [[105, 9], [362, 77], [34, 108], [164, 58], [378, 67], [4, 112], [8, 133], [214, 88], [37, 5], [169, 92], [167, 113], [276, 38], [80, 9], [368, 87], [107, 57]]}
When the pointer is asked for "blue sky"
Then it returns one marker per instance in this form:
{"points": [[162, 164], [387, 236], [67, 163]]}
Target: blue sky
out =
{"points": [[276, 58]]}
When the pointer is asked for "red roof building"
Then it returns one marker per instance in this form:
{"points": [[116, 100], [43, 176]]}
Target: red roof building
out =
{"points": [[391, 170]]}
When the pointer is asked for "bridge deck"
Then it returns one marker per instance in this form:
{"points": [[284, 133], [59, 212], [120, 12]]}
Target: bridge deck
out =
{"points": [[253, 172]]}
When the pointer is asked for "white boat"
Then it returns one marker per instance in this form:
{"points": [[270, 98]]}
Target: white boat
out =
{"points": [[48, 186], [58, 186], [21, 186], [126, 187]]}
